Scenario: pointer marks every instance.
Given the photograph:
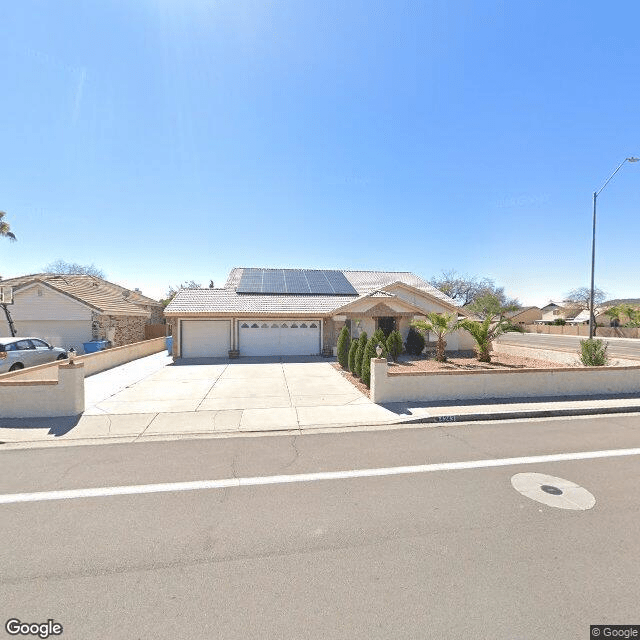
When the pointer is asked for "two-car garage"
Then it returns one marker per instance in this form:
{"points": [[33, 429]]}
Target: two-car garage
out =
{"points": [[279, 337], [255, 337]]}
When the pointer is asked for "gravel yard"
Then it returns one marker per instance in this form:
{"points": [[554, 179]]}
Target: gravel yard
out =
{"points": [[463, 360], [456, 361]]}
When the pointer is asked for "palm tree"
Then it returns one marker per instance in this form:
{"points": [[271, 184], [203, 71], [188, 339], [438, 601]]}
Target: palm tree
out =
{"points": [[485, 332], [441, 324], [5, 229]]}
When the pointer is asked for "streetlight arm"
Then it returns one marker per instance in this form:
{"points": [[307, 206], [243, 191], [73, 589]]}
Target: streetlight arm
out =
{"points": [[597, 193]]}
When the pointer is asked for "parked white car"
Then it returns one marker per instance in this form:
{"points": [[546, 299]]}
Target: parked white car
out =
{"points": [[18, 353]]}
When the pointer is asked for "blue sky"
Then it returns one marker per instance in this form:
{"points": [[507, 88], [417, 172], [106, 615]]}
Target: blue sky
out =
{"points": [[169, 140]]}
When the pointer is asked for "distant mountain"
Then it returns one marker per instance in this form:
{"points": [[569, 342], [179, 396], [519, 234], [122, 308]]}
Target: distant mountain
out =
{"points": [[617, 301]]}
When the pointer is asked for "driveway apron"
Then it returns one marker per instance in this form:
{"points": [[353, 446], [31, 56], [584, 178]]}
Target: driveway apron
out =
{"points": [[250, 394]]}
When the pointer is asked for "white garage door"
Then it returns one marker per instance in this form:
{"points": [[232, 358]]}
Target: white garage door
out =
{"points": [[59, 333], [279, 337], [205, 338]]}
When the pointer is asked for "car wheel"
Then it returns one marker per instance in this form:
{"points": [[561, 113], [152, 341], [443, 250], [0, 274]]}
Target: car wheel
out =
{"points": [[16, 367], [61, 357]]}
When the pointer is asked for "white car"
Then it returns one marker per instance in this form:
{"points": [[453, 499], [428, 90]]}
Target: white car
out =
{"points": [[18, 353]]}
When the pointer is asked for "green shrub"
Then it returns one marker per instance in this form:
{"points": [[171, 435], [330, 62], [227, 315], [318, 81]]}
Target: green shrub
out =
{"points": [[343, 348], [362, 343], [380, 339], [559, 322], [593, 353], [394, 345], [352, 355], [369, 352], [415, 342]]}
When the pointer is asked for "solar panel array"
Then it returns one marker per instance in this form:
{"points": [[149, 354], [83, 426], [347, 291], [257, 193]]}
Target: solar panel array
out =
{"points": [[295, 282]]}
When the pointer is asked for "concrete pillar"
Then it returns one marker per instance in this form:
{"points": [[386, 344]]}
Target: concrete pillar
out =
{"points": [[378, 378], [71, 383]]}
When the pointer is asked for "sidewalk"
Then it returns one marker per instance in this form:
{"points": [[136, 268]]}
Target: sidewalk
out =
{"points": [[146, 427], [309, 414]]}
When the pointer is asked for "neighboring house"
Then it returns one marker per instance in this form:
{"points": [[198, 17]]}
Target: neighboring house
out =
{"points": [[602, 319], [581, 318], [556, 311], [526, 315], [68, 310], [272, 312]]}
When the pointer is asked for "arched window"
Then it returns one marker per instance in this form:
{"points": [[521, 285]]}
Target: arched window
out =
{"points": [[244, 325], [275, 325], [254, 326], [265, 325], [294, 326], [303, 326], [313, 325]]}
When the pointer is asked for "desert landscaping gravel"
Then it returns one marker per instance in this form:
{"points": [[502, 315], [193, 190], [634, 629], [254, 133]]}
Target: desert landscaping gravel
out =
{"points": [[456, 361]]}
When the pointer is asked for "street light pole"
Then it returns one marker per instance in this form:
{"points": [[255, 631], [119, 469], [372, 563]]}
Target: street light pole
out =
{"points": [[592, 315]]}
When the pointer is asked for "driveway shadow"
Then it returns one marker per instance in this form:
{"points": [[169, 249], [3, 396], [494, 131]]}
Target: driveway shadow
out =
{"points": [[182, 362], [56, 426]]}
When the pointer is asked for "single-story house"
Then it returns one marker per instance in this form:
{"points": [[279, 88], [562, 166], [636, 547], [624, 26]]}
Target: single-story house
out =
{"points": [[68, 310], [557, 311], [601, 317], [526, 315], [273, 312]]}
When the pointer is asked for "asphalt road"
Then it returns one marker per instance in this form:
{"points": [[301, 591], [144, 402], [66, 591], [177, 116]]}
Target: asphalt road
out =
{"points": [[619, 347], [439, 554]]}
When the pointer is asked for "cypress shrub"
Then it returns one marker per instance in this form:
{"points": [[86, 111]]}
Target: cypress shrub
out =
{"points": [[415, 342], [394, 345], [362, 343], [352, 356], [343, 348], [380, 338], [369, 352]]}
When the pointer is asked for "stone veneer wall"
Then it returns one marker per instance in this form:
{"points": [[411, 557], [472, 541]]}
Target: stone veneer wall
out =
{"points": [[157, 314], [126, 329], [331, 331]]}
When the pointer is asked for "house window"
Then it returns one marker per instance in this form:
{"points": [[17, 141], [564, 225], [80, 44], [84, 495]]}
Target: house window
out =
{"points": [[284, 325], [313, 325], [254, 326], [274, 325], [303, 326], [265, 325], [244, 325], [294, 326]]}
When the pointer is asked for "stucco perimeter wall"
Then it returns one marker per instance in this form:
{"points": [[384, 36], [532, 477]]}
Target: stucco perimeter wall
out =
{"points": [[93, 362], [62, 396], [583, 330], [553, 355], [521, 383]]}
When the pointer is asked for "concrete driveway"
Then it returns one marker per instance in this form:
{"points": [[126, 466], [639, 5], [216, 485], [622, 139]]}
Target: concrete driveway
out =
{"points": [[250, 394]]}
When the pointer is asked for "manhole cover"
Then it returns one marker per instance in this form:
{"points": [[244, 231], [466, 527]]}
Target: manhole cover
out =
{"points": [[554, 492]]}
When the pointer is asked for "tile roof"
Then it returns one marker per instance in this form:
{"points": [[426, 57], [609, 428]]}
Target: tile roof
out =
{"points": [[366, 281], [104, 296], [517, 312], [226, 300]]}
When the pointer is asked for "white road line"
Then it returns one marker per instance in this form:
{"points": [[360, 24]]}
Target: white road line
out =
{"points": [[101, 492]]}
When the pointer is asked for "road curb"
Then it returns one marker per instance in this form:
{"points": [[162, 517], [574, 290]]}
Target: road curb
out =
{"points": [[515, 415], [443, 420]]}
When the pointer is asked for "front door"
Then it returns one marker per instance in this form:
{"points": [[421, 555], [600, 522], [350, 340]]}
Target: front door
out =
{"points": [[387, 325]]}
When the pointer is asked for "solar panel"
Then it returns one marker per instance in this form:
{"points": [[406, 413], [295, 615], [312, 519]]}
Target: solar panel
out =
{"points": [[339, 282], [295, 282], [318, 283]]}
